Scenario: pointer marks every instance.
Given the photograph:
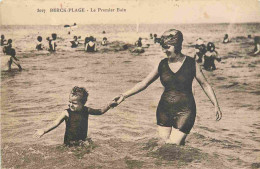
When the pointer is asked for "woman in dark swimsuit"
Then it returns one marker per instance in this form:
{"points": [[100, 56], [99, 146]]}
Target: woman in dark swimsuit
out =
{"points": [[176, 111]]}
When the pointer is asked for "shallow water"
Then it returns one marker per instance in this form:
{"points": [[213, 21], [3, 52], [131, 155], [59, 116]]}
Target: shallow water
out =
{"points": [[126, 136]]}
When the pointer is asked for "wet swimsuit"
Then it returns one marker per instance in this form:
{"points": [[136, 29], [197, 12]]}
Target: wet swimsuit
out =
{"points": [[177, 105], [90, 48], [209, 60], [76, 126]]}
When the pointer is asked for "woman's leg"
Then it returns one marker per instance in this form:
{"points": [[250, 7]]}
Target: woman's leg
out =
{"points": [[176, 137], [164, 132]]}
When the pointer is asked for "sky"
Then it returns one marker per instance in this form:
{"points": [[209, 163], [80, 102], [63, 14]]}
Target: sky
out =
{"points": [[30, 12]]}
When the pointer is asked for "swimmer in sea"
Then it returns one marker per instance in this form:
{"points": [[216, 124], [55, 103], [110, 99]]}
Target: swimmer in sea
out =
{"points": [[13, 59], [39, 45], [226, 39], [76, 118], [3, 40], [138, 48], [52, 42], [91, 45], [210, 56], [151, 36], [7, 47], [156, 40], [75, 42], [104, 41], [138, 43], [200, 49], [176, 110], [257, 45]]}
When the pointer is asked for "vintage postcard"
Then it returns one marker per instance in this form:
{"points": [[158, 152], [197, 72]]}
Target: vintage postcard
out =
{"points": [[130, 84]]}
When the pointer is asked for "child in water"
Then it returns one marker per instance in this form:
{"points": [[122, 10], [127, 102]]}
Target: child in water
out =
{"points": [[210, 56], [76, 118], [52, 42], [200, 49], [39, 45]]}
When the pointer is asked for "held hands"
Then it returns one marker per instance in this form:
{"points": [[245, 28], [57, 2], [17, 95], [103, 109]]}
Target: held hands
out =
{"points": [[39, 133], [119, 99], [218, 113], [116, 101]]}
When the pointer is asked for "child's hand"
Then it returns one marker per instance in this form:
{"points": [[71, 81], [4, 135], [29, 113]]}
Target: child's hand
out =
{"points": [[39, 133], [113, 103]]}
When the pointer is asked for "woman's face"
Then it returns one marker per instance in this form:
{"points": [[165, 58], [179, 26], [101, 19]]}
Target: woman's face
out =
{"points": [[170, 50], [172, 43]]}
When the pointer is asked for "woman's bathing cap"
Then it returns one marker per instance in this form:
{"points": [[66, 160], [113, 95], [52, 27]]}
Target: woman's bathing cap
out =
{"points": [[172, 37]]}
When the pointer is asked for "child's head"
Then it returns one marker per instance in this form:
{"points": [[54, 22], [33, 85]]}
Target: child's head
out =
{"points": [[75, 38], [104, 38], [39, 38], [2, 36], [78, 98]]}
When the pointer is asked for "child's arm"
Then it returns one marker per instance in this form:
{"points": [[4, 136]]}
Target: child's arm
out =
{"points": [[102, 110], [39, 133]]}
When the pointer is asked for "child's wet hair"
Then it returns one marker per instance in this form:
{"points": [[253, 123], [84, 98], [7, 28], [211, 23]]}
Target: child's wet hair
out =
{"points": [[80, 91]]}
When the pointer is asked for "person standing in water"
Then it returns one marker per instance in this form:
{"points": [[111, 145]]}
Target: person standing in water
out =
{"points": [[257, 45], [91, 45], [52, 42], [3, 40], [200, 49], [13, 59], [210, 56], [176, 110], [39, 45]]}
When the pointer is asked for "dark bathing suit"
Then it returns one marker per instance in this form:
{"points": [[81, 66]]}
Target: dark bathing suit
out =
{"points": [[76, 126], [91, 48], [177, 105]]}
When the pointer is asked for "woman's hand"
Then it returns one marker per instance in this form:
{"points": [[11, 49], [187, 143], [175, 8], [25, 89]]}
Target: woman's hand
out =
{"points": [[119, 98], [39, 133], [218, 113]]}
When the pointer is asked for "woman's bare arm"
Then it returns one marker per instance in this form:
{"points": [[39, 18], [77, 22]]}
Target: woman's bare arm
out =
{"points": [[208, 90]]}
